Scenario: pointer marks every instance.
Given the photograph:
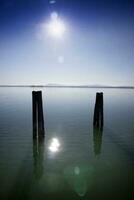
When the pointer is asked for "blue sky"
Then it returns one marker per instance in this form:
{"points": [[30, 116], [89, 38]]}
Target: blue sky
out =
{"points": [[96, 48]]}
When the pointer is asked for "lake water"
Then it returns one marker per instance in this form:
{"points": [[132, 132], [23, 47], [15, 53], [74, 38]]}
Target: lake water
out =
{"points": [[73, 162]]}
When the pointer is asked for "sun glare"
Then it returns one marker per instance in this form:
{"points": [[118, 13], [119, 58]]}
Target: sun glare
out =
{"points": [[56, 27]]}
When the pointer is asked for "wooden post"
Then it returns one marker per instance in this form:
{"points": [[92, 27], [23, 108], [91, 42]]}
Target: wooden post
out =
{"points": [[97, 139], [98, 111], [41, 131], [101, 109], [38, 119], [38, 154], [34, 102]]}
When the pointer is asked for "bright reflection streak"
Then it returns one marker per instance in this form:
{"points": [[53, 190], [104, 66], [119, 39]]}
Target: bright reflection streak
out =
{"points": [[54, 145]]}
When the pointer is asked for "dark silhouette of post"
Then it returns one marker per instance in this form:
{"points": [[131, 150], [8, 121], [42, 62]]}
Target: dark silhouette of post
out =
{"points": [[97, 139], [40, 115], [34, 103], [38, 118], [98, 120], [38, 157]]}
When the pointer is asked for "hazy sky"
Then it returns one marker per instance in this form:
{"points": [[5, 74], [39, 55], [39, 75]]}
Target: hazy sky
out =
{"points": [[97, 46]]}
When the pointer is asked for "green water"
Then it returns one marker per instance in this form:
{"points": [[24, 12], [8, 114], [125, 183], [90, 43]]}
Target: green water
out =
{"points": [[73, 161]]}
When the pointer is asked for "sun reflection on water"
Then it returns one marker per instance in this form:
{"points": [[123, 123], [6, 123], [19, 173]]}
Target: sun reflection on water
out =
{"points": [[54, 145]]}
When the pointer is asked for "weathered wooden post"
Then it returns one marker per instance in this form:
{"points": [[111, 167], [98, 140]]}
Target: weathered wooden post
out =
{"points": [[97, 139], [34, 103], [98, 111], [38, 119], [41, 130], [101, 109], [38, 157]]}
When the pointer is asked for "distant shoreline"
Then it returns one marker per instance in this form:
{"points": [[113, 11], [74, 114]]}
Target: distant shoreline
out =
{"points": [[67, 86]]}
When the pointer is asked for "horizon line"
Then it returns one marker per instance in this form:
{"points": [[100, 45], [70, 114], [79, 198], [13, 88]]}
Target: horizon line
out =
{"points": [[67, 86]]}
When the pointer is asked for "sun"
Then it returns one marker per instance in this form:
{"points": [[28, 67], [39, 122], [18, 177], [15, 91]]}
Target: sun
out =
{"points": [[56, 27]]}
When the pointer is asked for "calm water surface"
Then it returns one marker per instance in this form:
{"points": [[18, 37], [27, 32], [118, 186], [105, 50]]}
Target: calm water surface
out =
{"points": [[73, 161]]}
